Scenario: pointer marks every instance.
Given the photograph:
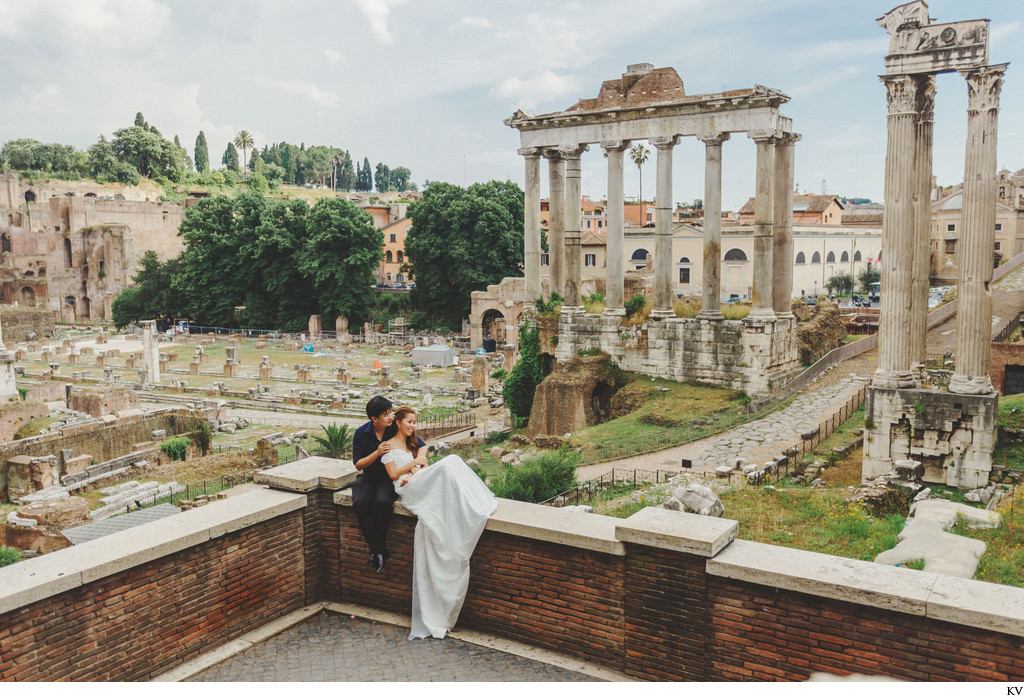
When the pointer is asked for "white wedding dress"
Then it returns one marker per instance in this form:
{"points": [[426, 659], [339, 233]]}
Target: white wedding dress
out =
{"points": [[452, 505]]}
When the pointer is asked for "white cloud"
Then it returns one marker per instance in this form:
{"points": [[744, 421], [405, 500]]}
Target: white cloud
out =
{"points": [[87, 23], [481, 22], [1001, 31], [311, 91], [333, 56], [849, 48], [46, 99], [529, 92], [810, 87], [376, 12]]}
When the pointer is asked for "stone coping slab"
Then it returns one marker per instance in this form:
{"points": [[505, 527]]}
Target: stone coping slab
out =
{"points": [[537, 522], [36, 579], [949, 598], [309, 474], [677, 531], [824, 575]]}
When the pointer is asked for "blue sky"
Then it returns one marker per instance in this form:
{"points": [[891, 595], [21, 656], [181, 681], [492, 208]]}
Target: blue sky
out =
{"points": [[427, 84]]}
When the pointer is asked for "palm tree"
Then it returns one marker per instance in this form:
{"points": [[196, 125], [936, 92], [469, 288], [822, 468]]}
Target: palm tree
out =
{"points": [[244, 140], [336, 441], [639, 155]]}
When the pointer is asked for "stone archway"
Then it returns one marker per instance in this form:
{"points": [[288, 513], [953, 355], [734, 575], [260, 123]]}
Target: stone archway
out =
{"points": [[494, 326], [27, 296]]}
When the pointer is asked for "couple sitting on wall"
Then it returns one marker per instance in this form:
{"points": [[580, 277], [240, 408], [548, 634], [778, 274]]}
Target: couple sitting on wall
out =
{"points": [[450, 502]]}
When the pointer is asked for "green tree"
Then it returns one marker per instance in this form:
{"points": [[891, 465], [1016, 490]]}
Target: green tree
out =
{"points": [[336, 442], [340, 257], [400, 178], [230, 158], [150, 296], [462, 240], [382, 177], [638, 154], [869, 276], [244, 140], [347, 179], [141, 121], [148, 152], [842, 283], [202, 154], [317, 164], [526, 374]]}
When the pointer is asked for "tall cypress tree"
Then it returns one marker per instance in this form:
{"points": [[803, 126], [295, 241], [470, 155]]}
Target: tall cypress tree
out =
{"points": [[202, 154], [367, 175], [230, 159]]}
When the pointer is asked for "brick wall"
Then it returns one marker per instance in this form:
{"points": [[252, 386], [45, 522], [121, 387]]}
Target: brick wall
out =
{"points": [[758, 633], [132, 625], [1004, 354]]}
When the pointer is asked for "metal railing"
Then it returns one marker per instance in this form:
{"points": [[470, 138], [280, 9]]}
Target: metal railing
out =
{"points": [[583, 493], [1008, 328]]}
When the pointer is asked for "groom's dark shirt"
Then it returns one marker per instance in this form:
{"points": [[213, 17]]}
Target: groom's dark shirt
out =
{"points": [[364, 442]]}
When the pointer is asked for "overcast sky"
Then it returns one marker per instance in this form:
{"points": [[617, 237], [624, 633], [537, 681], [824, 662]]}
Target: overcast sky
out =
{"points": [[427, 83]]}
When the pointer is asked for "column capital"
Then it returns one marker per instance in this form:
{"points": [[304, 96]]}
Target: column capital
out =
{"points": [[663, 142], [788, 138], [983, 87], [551, 153], [531, 152], [615, 145], [901, 93], [573, 152], [763, 135], [713, 138], [925, 103]]}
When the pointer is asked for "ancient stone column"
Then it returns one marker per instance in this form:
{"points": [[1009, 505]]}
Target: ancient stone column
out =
{"points": [[764, 205], [531, 226], [614, 285], [925, 121], [572, 267], [974, 313], [663, 229], [712, 282], [150, 351], [556, 222], [782, 226], [897, 235]]}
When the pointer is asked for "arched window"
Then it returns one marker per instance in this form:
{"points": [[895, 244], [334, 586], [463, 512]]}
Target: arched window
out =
{"points": [[831, 257], [845, 257], [684, 270], [684, 260], [816, 258], [5, 243], [639, 255], [856, 256], [30, 196], [42, 272], [400, 256], [387, 257], [735, 255], [67, 252], [800, 259]]}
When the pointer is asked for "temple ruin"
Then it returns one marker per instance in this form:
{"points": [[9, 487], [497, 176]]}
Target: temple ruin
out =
{"points": [[951, 432], [755, 355]]}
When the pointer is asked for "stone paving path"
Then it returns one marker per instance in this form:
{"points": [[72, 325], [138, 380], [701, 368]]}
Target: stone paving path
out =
{"points": [[333, 647], [756, 442]]}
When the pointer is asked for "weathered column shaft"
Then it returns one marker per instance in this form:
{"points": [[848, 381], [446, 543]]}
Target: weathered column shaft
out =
{"points": [[974, 313], [712, 282], [556, 223], [764, 205], [531, 226], [663, 230], [782, 226], [614, 282], [897, 236], [925, 119], [572, 230]]}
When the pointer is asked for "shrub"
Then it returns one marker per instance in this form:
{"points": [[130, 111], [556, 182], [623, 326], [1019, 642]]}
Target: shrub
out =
{"points": [[497, 436], [336, 440], [176, 447], [537, 478], [499, 374], [635, 303], [550, 307], [589, 352], [9, 555], [522, 381]]}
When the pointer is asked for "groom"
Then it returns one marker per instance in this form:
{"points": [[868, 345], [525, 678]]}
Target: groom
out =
{"points": [[373, 493]]}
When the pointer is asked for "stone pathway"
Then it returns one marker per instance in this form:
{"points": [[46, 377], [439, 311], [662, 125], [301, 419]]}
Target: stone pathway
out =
{"points": [[755, 442], [333, 647]]}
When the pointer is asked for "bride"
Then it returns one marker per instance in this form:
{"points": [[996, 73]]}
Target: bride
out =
{"points": [[452, 505]]}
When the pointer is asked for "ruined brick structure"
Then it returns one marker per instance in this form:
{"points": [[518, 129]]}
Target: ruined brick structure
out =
{"points": [[70, 247]]}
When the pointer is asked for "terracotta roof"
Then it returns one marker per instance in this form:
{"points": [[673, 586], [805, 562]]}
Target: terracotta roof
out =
{"points": [[802, 202]]}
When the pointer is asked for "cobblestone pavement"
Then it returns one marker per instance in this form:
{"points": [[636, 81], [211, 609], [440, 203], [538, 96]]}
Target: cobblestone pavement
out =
{"points": [[333, 647]]}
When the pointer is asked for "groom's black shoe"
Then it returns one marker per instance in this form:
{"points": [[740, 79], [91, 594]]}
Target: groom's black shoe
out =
{"points": [[373, 561], [379, 562]]}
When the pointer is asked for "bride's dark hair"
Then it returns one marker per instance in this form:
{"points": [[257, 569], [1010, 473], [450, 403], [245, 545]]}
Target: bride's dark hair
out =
{"points": [[410, 442]]}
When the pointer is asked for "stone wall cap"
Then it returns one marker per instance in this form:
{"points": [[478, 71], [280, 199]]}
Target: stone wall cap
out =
{"points": [[977, 604], [824, 575], [680, 532], [537, 522], [36, 579], [309, 474]]}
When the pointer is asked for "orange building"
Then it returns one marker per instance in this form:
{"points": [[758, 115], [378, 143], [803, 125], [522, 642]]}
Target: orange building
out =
{"points": [[389, 271], [808, 209]]}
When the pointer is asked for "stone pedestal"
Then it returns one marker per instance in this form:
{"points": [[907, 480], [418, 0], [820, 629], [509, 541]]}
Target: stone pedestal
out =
{"points": [[952, 435], [101, 360], [480, 368], [266, 373], [193, 368], [229, 369], [302, 375]]}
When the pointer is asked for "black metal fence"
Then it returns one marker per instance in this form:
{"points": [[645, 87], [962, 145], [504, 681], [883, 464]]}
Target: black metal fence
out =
{"points": [[207, 487], [584, 493]]}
